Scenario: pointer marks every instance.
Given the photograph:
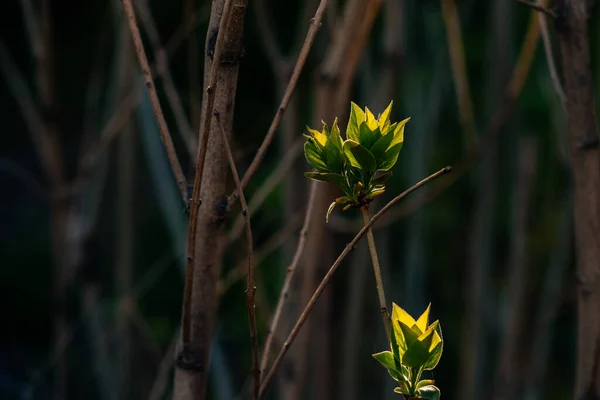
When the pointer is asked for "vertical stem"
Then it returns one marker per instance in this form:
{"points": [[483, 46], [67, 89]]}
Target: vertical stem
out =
{"points": [[364, 211]]}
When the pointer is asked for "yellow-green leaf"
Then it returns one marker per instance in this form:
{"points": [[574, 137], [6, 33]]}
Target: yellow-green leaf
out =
{"points": [[423, 320], [390, 157], [384, 119], [357, 117], [371, 121], [314, 156], [399, 132], [347, 147], [399, 314]]}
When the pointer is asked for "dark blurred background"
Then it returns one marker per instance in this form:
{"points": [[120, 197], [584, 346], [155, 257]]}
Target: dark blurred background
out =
{"points": [[92, 242]]}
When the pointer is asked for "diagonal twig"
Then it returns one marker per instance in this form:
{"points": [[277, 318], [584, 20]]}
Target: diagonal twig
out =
{"points": [[270, 183], [165, 135], [283, 296], [309, 307], [250, 288]]}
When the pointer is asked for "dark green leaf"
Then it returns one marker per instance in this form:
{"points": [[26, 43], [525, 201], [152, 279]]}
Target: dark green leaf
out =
{"points": [[365, 159], [368, 136], [418, 354], [336, 179], [380, 147], [381, 177]]}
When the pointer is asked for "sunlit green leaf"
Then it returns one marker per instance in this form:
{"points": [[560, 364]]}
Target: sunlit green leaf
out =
{"points": [[390, 157], [402, 389], [347, 147], [357, 117], [399, 132], [423, 383], [423, 321], [320, 137], [435, 352], [314, 156], [386, 358], [370, 120], [429, 392], [384, 119]]}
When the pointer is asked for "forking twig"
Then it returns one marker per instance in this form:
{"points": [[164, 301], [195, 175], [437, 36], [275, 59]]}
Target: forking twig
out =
{"points": [[309, 307], [288, 279], [310, 38], [165, 135], [250, 288]]}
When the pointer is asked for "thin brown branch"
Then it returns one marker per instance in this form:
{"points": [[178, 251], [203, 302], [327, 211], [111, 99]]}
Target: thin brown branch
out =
{"points": [[270, 183], [538, 7], [250, 288], [582, 134], [315, 23], [165, 135], [309, 307], [550, 61], [195, 200], [385, 315], [459, 70], [276, 240], [283, 296]]}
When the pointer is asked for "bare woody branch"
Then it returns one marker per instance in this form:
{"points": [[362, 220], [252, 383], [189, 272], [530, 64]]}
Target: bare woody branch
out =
{"points": [[250, 288], [309, 307], [283, 296], [165, 135], [195, 200]]}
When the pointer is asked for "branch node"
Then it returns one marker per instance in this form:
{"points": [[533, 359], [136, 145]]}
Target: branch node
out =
{"points": [[189, 360]]}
